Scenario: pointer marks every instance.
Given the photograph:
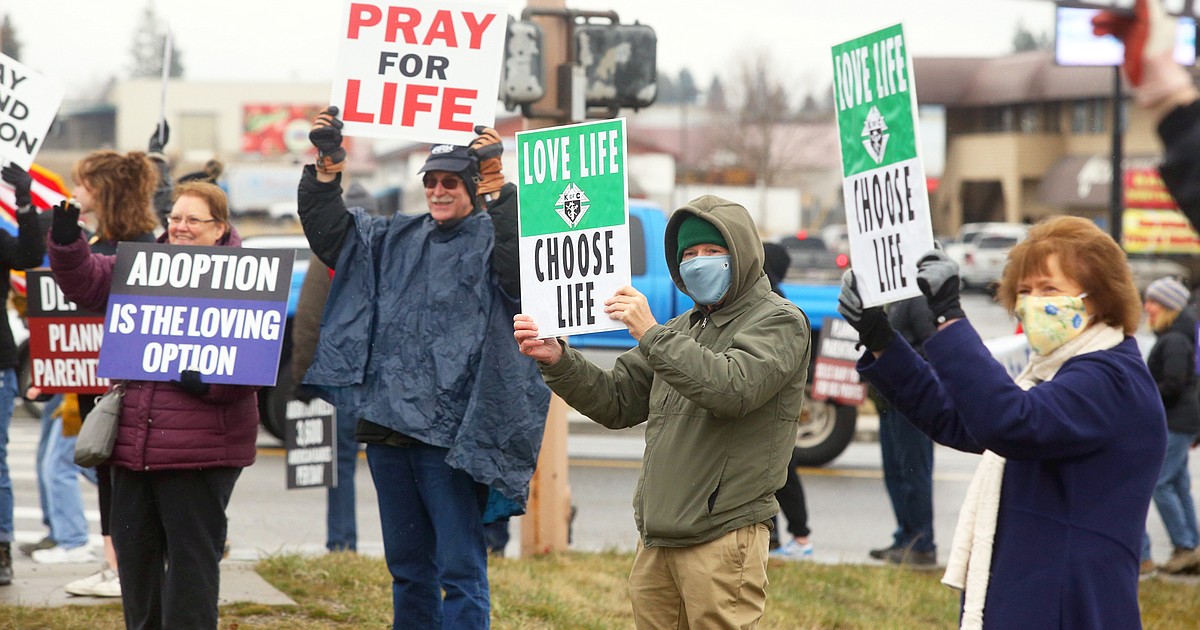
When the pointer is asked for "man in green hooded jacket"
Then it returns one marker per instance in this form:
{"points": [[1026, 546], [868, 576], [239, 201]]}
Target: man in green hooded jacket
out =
{"points": [[720, 388]]}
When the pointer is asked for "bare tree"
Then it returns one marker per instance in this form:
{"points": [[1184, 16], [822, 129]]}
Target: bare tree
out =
{"points": [[752, 123]]}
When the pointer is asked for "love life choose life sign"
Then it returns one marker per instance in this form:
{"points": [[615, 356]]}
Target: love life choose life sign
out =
{"points": [[421, 70], [218, 310], [28, 104], [887, 204], [574, 225]]}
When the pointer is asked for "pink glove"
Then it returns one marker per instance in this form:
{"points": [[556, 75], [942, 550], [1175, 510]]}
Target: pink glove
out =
{"points": [[1149, 38]]}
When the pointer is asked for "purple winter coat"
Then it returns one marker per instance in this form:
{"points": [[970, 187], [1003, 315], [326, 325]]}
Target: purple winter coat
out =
{"points": [[163, 427]]}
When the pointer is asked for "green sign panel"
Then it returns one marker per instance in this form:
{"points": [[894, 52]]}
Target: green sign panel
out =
{"points": [[874, 97], [571, 178]]}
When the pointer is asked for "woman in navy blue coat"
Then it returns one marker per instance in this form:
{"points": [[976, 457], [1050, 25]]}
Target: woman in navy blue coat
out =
{"points": [[1050, 534]]}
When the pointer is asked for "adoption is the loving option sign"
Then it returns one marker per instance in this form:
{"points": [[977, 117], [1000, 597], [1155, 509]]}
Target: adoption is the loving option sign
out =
{"points": [[422, 70], [218, 310], [574, 225]]}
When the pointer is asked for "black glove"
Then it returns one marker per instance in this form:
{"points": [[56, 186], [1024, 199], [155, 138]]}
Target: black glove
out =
{"points": [[874, 330], [64, 229], [937, 276], [157, 143], [304, 393], [189, 381], [326, 135], [21, 182]]}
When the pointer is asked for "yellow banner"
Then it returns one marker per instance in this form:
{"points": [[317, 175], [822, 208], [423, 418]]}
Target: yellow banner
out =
{"points": [[1158, 232]]}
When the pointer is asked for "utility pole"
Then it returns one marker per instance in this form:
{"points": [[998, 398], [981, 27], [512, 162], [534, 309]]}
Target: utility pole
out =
{"points": [[548, 512]]}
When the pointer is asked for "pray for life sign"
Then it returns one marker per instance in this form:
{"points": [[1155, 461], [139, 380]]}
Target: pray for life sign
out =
{"points": [[420, 70], [28, 104], [574, 225], [887, 204]]}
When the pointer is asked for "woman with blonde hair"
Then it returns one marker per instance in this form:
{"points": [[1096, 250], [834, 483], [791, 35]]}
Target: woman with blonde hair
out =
{"points": [[1050, 533]]}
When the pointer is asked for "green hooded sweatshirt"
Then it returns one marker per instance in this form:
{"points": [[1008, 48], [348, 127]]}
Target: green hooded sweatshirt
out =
{"points": [[721, 392]]}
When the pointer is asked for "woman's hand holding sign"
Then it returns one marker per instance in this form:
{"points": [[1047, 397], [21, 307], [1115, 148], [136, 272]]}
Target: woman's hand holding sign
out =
{"points": [[326, 135], [630, 307]]}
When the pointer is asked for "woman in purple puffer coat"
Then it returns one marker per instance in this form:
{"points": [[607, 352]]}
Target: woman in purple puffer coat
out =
{"points": [[180, 445]]}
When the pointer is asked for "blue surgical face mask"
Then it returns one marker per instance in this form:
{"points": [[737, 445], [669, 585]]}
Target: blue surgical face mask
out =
{"points": [[707, 278]]}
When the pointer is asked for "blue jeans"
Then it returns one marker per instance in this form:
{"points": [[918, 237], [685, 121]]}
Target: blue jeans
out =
{"points": [[1173, 494], [432, 521], [8, 393], [908, 475], [58, 481], [341, 525]]}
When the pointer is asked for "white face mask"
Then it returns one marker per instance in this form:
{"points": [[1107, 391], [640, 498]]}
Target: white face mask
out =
{"points": [[1051, 321]]}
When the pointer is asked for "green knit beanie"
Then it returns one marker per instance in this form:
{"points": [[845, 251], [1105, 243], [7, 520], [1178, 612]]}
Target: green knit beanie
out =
{"points": [[694, 231]]}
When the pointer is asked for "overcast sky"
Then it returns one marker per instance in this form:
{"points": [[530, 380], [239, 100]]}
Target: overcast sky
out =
{"points": [[82, 42]]}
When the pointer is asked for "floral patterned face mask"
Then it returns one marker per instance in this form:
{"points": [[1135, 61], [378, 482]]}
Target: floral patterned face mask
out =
{"points": [[1051, 321]]}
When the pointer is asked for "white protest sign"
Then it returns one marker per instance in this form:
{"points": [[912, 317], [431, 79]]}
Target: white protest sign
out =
{"points": [[887, 204], [420, 70], [28, 104], [574, 225]]}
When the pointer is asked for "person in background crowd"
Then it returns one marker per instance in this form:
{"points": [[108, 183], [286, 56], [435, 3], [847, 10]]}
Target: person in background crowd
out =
{"points": [[776, 261], [1172, 363], [341, 523], [908, 455], [415, 348], [23, 251], [720, 388], [1051, 529], [170, 485]]}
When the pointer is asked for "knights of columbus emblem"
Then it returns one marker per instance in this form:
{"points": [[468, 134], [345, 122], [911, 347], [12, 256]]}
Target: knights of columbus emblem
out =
{"points": [[572, 204]]}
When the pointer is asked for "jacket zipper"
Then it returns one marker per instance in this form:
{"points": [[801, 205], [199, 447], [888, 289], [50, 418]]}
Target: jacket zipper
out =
{"points": [[704, 322]]}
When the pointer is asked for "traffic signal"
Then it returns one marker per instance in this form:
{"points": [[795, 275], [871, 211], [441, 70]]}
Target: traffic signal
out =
{"points": [[522, 78], [619, 61]]}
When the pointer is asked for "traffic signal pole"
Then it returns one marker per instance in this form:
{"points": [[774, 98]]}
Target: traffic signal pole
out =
{"points": [[547, 514]]}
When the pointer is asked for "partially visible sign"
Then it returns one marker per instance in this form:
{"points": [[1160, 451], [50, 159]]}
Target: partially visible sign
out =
{"points": [[421, 70], [217, 310], [887, 204], [574, 225], [311, 452], [835, 375], [278, 129], [28, 104], [64, 340], [1157, 232], [1144, 188]]}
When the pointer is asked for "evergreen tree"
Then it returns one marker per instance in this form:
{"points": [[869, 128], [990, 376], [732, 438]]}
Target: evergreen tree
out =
{"points": [[9, 44], [716, 96], [687, 87], [147, 50]]}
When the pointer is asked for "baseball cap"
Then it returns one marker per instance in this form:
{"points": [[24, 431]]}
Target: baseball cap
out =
{"points": [[449, 158]]}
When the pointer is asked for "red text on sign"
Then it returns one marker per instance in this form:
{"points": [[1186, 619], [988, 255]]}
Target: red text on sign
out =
{"points": [[404, 22], [452, 112]]}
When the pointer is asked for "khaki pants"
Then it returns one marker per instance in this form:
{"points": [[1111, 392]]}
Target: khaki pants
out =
{"points": [[719, 584]]}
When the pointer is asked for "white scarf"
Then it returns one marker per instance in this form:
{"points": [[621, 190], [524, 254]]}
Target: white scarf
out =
{"points": [[969, 565]]}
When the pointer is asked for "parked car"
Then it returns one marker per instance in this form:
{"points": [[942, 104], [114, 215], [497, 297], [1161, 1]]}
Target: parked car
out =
{"points": [[272, 401], [813, 260], [984, 255], [957, 246]]}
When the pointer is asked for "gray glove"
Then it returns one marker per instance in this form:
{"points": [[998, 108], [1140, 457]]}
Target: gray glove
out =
{"points": [[874, 330], [937, 276]]}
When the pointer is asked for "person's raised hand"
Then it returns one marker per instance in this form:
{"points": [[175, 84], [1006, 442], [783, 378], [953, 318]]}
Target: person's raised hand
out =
{"points": [[525, 331], [630, 307], [874, 331], [326, 135], [487, 148], [1149, 38], [64, 227], [159, 139], [21, 182], [937, 275]]}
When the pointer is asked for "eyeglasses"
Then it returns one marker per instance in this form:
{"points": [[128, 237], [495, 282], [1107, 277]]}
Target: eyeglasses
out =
{"points": [[191, 222], [448, 183]]}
